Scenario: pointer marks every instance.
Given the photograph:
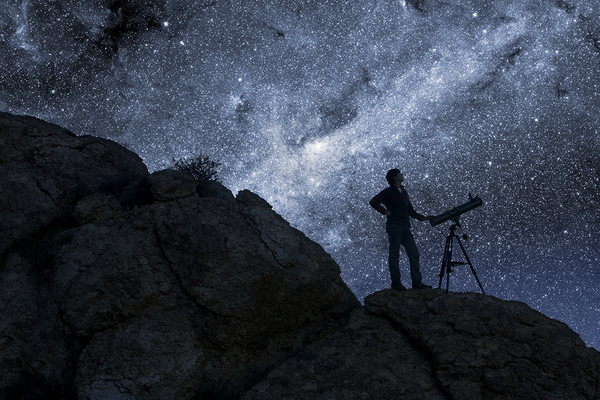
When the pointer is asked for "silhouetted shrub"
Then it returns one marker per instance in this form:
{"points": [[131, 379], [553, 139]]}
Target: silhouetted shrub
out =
{"points": [[201, 167]]}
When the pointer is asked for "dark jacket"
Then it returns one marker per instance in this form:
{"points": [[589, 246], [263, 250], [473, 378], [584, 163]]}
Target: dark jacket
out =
{"points": [[397, 201]]}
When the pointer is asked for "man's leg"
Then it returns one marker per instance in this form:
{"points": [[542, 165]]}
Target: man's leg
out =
{"points": [[408, 241], [395, 237]]}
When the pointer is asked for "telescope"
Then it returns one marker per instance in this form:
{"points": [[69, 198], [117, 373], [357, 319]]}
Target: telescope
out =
{"points": [[454, 213], [447, 263]]}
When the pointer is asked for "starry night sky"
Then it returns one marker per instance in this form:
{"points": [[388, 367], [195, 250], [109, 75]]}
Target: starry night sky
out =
{"points": [[308, 103]]}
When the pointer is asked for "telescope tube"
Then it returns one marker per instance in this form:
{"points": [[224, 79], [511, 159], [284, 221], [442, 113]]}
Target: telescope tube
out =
{"points": [[456, 211]]}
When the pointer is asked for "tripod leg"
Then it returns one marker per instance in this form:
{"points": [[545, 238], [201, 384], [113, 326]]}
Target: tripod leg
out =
{"points": [[449, 263], [470, 265], [444, 261]]}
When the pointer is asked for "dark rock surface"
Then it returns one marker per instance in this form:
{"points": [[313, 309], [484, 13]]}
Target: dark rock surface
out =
{"points": [[482, 347], [366, 359], [41, 166], [120, 284], [177, 297], [429, 344]]}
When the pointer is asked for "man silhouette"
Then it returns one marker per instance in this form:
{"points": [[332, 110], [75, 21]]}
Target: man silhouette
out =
{"points": [[398, 210]]}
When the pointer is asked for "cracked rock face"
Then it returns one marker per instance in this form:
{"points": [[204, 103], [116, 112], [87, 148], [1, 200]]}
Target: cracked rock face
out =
{"points": [[174, 297], [482, 347], [41, 165], [366, 359], [429, 344]]}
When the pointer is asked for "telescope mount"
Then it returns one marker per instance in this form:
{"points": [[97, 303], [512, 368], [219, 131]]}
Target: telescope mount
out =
{"points": [[447, 263]]}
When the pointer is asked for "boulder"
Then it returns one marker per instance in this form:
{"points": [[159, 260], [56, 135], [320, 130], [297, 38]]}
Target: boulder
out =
{"points": [[169, 184], [366, 359], [173, 296], [43, 167], [430, 344], [207, 188], [482, 347]]}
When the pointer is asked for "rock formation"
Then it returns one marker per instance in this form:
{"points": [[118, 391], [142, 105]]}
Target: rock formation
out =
{"points": [[176, 296], [42, 165], [120, 284], [430, 344], [485, 348]]}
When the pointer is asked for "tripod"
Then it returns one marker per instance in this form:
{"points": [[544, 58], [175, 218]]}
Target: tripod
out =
{"points": [[447, 262]]}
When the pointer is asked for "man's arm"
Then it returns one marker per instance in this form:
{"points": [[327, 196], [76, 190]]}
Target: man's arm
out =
{"points": [[416, 215], [377, 201]]}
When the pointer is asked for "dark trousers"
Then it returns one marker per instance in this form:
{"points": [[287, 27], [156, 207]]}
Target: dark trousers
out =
{"points": [[401, 235]]}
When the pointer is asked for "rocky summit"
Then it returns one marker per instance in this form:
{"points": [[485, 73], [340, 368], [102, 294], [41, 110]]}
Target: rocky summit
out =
{"points": [[120, 284]]}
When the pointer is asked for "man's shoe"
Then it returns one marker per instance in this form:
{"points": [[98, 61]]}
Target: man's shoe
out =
{"points": [[398, 286], [421, 286]]}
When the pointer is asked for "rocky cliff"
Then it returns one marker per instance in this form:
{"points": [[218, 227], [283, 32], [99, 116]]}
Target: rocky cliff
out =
{"points": [[120, 284]]}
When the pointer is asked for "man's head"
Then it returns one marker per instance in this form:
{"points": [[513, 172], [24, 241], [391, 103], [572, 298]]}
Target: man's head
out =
{"points": [[391, 176], [394, 177]]}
